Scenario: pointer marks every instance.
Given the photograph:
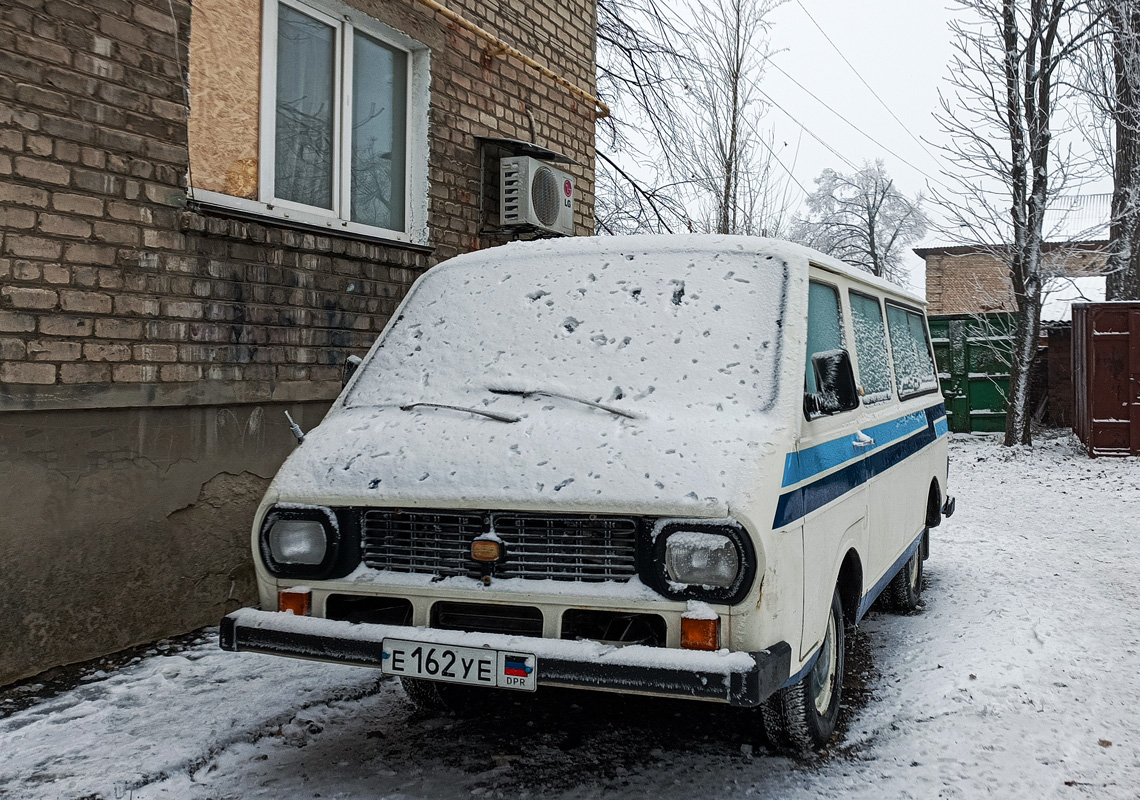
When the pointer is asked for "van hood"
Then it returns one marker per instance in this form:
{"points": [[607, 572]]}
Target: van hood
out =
{"points": [[556, 456]]}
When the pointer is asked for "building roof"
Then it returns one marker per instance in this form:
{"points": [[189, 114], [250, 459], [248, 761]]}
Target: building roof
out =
{"points": [[1078, 218], [1060, 293], [1070, 219]]}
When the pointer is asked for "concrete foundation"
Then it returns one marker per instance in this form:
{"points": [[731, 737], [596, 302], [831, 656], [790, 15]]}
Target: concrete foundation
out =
{"points": [[121, 526]]}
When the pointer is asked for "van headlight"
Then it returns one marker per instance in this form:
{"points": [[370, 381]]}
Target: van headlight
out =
{"points": [[706, 559], [302, 541], [711, 560], [298, 541]]}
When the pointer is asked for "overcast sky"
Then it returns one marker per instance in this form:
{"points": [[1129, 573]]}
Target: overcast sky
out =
{"points": [[901, 48], [827, 112]]}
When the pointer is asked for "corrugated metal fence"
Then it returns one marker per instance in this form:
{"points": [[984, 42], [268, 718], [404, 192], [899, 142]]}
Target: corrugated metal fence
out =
{"points": [[973, 356]]}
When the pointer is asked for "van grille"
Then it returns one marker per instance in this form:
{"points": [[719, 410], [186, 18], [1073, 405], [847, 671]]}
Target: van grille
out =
{"points": [[568, 548], [556, 547], [425, 542]]}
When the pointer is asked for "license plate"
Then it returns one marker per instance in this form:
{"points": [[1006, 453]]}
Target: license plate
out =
{"points": [[477, 666]]}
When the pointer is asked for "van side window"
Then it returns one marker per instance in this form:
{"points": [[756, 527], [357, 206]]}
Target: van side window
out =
{"points": [[914, 366], [824, 330], [871, 347]]}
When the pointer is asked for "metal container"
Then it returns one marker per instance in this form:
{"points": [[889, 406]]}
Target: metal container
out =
{"points": [[973, 353], [1106, 377]]}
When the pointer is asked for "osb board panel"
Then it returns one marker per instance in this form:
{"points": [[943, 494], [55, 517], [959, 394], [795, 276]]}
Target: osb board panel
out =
{"points": [[225, 76]]}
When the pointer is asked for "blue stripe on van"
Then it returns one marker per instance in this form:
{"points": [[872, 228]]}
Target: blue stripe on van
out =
{"points": [[804, 464], [899, 445]]}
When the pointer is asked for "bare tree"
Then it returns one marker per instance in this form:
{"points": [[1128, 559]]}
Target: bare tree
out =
{"points": [[719, 146], [1007, 76], [684, 150], [863, 220], [640, 72], [1109, 76], [625, 204]]}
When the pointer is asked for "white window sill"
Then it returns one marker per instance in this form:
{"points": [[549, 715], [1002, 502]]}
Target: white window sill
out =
{"points": [[307, 219]]}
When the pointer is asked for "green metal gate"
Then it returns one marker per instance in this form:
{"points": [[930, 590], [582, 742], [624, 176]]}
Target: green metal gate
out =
{"points": [[973, 353]]}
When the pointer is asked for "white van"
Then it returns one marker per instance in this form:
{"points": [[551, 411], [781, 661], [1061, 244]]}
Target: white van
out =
{"points": [[666, 465]]}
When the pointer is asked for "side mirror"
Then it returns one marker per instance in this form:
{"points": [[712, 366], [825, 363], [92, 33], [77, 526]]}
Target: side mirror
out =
{"points": [[350, 365], [835, 382]]}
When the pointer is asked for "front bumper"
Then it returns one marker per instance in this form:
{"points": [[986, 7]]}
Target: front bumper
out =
{"points": [[739, 679]]}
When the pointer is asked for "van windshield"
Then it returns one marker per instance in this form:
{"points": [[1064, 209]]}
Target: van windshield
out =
{"points": [[632, 330]]}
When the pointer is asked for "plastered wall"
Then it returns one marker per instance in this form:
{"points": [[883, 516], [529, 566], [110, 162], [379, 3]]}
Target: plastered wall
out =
{"points": [[122, 526]]}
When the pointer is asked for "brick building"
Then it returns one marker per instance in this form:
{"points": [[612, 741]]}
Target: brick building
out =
{"points": [[172, 282], [969, 294], [965, 279], [970, 280]]}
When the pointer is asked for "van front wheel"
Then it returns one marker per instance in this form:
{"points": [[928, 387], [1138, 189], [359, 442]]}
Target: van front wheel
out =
{"points": [[447, 697], [802, 717]]}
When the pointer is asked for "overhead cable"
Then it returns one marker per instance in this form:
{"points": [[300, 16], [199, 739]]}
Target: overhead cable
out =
{"points": [[864, 81], [855, 127]]}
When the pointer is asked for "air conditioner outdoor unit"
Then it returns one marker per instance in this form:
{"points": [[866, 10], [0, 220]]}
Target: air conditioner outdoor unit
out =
{"points": [[532, 193]]}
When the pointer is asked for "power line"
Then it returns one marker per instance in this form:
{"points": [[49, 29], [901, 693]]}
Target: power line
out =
{"points": [[855, 127], [864, 81], [768, 147], [808, 130]]}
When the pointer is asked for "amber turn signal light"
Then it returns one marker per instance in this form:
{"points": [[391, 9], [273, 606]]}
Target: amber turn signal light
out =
{"points": [[486, 550], [700, 634], [297, 601]]}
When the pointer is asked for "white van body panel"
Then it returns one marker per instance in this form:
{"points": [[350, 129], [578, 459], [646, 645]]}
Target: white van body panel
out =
{"points": [[814, 496]]}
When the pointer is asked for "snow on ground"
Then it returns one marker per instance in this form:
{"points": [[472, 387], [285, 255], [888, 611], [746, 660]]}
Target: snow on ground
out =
{"points": [[1018, 680]]}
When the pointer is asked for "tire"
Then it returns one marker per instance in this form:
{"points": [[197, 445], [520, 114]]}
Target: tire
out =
{"points": [[906, 587], [802, 718], [452, 698], [424, 695]]}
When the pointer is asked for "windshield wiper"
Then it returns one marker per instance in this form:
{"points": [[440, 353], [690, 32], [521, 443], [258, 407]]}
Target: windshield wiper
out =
{"points": [[544, 393], [478, 412]]}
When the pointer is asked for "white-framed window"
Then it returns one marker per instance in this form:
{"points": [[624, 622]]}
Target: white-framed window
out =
{"points": [[342, 123]]}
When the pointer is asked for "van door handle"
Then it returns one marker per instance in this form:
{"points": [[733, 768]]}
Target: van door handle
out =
{"points": [[863, 440]]}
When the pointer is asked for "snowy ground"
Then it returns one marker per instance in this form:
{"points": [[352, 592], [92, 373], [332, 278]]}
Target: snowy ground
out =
{"points": [[1020, 679]]}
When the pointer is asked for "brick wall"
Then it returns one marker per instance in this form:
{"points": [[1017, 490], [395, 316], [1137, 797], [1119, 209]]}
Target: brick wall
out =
{"points": [[106, 278], [148, 345], [968, 283], [92, 152], [475, 94], [961, 280], [220, 301]]}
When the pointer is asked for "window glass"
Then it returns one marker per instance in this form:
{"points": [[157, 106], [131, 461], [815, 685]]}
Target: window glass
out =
{"points": [[825, 331], [871, 347], [306, 109], [914, 367], [304, 112], [379, 130]]}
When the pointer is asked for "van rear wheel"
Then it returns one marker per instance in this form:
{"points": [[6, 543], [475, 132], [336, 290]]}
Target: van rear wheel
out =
{"points": [[906, 587], [802, 717]]}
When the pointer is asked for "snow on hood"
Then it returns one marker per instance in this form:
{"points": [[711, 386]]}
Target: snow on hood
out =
{"points": [[627, 373], [559, 455]]}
